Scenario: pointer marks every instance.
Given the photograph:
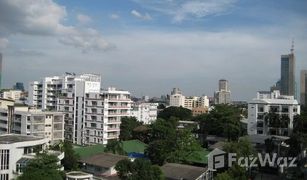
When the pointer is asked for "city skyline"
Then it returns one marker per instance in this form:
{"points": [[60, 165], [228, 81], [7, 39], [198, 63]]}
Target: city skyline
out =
{"points": [[150, 47]]}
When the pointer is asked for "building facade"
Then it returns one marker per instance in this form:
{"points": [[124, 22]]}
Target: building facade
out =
{"points": [[20, 119], [12, 94], [283, 108], [145, 112], [287, 78], [17, 150], [176, 98], [93, 117], [44, 94], [222, 96], [303, 87]]}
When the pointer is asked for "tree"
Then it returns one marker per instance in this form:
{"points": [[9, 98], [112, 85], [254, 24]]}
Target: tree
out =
{"points": [[126, 127], [70, 160], [124, 168], [243, 148], [185, 146], [139, 169], [235, 172], [223, 120], [115, 147], [179, 112], [164, 129], [171, 145], [44, 166]]}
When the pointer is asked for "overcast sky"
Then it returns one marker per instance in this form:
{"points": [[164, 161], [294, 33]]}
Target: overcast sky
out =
{"points": [[148, 47]]}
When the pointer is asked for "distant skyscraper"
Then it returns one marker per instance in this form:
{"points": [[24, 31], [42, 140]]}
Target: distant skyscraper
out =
{"points": [[287, 79], [223, 85], [303, 87], [19, 86], [0, 71], [222, 96]]}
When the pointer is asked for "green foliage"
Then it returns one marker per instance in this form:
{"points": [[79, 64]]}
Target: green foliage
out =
{"points": [[185, 145], [277, 122], [124, 168], [162, 129], [44, 166], [169, 144], [70, 160], [223, 121], [179, 112], [139, 169], [236, 172], [126, 128], [243, 148], [115, 147]]}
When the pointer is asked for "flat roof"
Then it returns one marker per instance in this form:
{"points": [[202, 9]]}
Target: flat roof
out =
{"points": [[15, 138]]}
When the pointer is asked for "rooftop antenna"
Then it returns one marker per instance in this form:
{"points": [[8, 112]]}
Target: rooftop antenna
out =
{"points": [[292, 46]]}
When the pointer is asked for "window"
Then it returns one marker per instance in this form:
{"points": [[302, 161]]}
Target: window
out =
{"points": [[5, 157]]}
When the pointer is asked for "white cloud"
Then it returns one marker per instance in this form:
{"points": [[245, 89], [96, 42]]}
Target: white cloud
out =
{"points": [[3, 43], [186, 9], [84, 19], [137, 14], [45, 17], [114, 16]]}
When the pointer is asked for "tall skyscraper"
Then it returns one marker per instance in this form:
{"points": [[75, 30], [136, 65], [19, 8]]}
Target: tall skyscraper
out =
{"points": [[0, 71], [287, 79], [222, 96], [303, 87], [223, 85]]}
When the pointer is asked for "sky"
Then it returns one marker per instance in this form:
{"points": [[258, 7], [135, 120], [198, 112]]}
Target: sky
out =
{"points": [[148, 47]]}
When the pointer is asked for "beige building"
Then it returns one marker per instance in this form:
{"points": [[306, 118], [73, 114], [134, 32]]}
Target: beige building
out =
{"points": [[12, 94], [199, 110], [20, 119]]}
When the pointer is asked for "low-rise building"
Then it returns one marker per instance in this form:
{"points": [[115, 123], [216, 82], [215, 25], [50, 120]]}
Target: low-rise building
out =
{"points": [[101, 165], [284, 107], [145, 112], [21, 119], [12, 94], [17, 150], [173, 171]]}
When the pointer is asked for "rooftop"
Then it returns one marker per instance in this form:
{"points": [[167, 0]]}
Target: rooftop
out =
{"points": [[105, 160], [180, 171], [15, 138]]}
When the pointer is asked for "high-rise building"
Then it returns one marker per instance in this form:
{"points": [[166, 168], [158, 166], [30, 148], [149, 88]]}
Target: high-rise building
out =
{"points": [[93, 117], [19, 86], [303, 87], [43, 94], [287, 78], [0, 71], [222, 96], [286, 107]]}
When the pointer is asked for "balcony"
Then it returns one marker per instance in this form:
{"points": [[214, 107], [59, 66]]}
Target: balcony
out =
{"points": [[119, 107]]}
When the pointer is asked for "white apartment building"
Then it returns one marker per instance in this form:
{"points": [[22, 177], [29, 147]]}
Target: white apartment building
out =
{"points": [[17, 150], [258, 109], [43, 94], [177, 100], [12, 94], [145, 112], [93, 117], [20, 119]]}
